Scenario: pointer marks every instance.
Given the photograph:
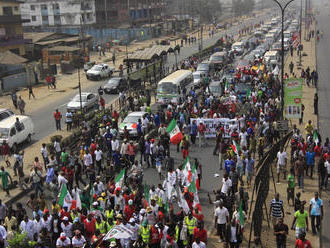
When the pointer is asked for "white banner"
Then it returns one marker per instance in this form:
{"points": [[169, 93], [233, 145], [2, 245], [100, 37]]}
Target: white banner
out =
{"points": [[119, 232], [211, 124]]}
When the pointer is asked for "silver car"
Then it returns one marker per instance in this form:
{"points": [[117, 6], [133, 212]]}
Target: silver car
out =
{"points": [[88, 101]]}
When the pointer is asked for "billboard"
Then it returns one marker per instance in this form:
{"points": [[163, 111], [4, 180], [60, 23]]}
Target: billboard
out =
{"points": [[293, 98]]}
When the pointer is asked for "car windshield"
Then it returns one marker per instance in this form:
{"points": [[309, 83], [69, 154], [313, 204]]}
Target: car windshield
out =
{"points": [[203, 67], [4, 133], [77, 98], [132, 118], [167, 88], [113, 81], [96, 68], [215, 89], [217, 58]]}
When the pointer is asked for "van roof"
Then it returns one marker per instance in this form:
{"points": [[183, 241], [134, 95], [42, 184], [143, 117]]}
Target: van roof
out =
{"points": [[215, 83], [238, 43], [176, 76], [219, 54], [11, 120], [270, 53]]}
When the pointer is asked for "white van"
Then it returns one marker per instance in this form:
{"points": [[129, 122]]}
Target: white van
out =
{"points": [[15, 130], [272, 57], [238, 47]]}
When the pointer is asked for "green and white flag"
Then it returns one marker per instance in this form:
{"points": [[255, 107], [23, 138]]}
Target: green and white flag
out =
{"points": [[120, 178], [65, 199], [174, 132], [316, 137]]}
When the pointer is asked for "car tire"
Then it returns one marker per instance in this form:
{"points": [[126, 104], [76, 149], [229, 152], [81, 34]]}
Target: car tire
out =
{"points": [[29, 139]]}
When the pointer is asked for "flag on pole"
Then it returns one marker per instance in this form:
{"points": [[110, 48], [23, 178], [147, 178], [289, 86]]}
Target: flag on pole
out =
{"points": [[196, 203], [235, 147], [174, 132], [120, 178], [187, 169], [183, 203], [65, 199], [146, 193], [316, 137], [241, 214], [78, 201]]}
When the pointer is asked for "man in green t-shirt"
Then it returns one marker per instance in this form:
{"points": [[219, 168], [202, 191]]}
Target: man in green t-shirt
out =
{"points": [[4, 179], [291, 185], [301, 221]]}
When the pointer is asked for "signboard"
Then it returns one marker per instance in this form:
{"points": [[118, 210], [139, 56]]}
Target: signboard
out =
{"points": [[292, 98], [119, 232], [211, 124], [282, 125]]}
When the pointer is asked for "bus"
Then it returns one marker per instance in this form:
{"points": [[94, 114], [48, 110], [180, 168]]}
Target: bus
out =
{"points": [[170, 88]]}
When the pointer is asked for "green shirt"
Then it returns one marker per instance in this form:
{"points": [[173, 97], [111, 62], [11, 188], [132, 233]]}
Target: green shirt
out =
{"points": [[301, 218], [290, 179], [64, 157], [4, 178]]}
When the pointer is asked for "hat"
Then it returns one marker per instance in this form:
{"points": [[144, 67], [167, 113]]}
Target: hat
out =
{"points": [[46, 211], [119, 216], [62, 235], [149, 209], [131, 220], [113, 244], [65, 218], [130, 202], [76, 219], [103, 194], [142, 211], [95, 204]]}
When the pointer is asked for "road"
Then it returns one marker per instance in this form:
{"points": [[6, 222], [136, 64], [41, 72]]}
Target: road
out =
{"points": [[44, 123], [323, 60]]}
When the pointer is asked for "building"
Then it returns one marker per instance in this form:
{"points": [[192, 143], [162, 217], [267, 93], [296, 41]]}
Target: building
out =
{"points": [[114, 13], [11, 32], [48, 13]]}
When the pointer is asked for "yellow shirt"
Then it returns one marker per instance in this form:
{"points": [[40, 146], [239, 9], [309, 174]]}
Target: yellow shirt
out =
{"points": [[9, 223], [309, 129]]}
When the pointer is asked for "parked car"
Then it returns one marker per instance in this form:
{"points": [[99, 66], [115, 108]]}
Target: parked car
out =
{"points": [[115, 85], [5, 113], [15, 130], [130, 122], [97, 72], [88, 65], [88, 101]]}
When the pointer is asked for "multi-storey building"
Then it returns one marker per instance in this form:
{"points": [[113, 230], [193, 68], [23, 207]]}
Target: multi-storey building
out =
{"points": [[58, 13], [11, 32]]}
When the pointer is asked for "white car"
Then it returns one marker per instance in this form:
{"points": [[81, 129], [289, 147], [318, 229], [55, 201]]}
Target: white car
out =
{"points": [[130, 122], [5, 113], [15, 130], [88, 101], [99, 71]]}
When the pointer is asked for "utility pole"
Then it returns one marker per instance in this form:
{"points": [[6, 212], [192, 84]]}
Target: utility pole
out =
{"points": [[79, 83]]}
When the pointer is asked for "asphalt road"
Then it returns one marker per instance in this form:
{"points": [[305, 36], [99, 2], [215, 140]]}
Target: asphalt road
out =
{"points": [[43, 121], [323, 60]]}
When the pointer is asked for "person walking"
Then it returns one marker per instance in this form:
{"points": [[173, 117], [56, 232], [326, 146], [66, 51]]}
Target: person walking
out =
{"points": [[316, 212], [276, 210], [300, 221], [316, 102], [36, 179], [281, 231], [68, 120], [291, 66], [21, 105], [31, 92], [221, 215], [57, 117], [14, 98], [4, 179], [201, 134]]}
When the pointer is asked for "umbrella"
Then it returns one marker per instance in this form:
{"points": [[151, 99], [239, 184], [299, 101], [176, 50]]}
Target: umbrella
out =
{"points": [[118, 232]]}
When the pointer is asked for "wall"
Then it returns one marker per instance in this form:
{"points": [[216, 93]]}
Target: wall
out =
{"points": [[10, 4]]}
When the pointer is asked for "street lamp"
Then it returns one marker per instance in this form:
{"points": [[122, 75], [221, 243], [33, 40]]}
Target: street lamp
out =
{"points": [[282, 6]]}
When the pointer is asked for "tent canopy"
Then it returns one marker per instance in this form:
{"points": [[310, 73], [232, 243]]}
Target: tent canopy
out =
{"points": [[150, 54]]}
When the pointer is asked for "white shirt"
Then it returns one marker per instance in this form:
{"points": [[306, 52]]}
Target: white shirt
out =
{"points": [[281, 158], [115, 145], [124, 148], [67, 229], [243, 137], [37, 226], [78, 242], [200, 245], [3, 233], [327, 165], [61, 180], [88, 160], [171, 176], [47, 223], [44, 152], [65, 243], [57, 146], [98, 155], [222, 214], [28, 227], [226, 185]]}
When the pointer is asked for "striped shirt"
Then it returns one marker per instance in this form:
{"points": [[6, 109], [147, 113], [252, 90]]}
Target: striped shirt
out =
{"points": [[276, 207]]}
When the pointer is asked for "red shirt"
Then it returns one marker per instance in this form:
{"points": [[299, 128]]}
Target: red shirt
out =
{"points": [[154, 235], [89, 227], [201, 234], [199, 216], [129, 211], [93, 148], [303, 244], [5, 150], [160, 216], [57, 115]]}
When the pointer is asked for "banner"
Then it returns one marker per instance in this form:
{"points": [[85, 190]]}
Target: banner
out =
{"points": [[119, 232], [211, 124], [293, 98]]}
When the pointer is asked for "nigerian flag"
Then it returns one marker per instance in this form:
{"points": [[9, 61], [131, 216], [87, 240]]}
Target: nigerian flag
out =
{"points": [[120, 178], [235, 147], [316, 137], [146, 193], [174, 132], [65, 199]]}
